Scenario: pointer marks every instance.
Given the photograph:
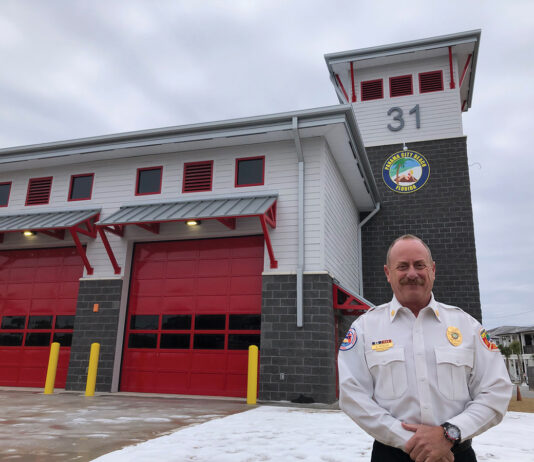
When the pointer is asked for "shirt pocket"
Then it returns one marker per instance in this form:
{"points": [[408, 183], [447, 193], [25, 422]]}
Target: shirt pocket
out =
{"points": [[388, 369], [453, 367]]}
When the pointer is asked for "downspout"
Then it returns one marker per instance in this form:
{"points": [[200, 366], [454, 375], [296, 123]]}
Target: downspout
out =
{"points": [[360, 226], [300, 219]]}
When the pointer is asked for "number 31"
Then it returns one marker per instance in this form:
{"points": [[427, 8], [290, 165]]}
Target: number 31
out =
{"points": [[397, 116]]}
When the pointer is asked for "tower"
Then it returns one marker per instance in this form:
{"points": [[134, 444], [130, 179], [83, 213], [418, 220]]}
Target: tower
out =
{"points": [[408, 99]]}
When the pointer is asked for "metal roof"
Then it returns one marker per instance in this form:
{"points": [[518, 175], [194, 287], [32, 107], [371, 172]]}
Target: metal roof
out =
{"points": [[472, 36], [507, 330], [45, 220], [200, 208]]}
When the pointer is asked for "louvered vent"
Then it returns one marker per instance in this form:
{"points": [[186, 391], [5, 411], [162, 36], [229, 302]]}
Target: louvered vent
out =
{"points": [[400, 86], [39, 191], [197, 176], [430, 81], [372, 89]]}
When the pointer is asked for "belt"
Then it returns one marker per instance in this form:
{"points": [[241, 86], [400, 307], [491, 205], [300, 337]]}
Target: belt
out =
{"points": [[462, 446]]}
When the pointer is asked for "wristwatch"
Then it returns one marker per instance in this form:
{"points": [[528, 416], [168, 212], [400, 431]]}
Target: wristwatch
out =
{"points": [[452, 433]]}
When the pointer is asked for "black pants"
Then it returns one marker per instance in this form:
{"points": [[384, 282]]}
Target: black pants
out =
{"points": [[383, 453]]}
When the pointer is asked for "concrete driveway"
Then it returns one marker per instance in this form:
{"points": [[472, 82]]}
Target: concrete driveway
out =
{"points": [[68, 426]]}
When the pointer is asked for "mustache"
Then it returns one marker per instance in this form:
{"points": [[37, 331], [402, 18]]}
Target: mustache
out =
{"points": [[412, 282]]}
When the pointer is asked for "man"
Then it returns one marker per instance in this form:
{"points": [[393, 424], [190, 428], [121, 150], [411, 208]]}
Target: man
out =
{"points": [[419, 376]]}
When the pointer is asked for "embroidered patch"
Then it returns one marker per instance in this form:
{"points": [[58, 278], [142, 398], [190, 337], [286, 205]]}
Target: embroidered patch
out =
{"points": [[454, 336], [382, 345], [350, 340], [486, 340]]}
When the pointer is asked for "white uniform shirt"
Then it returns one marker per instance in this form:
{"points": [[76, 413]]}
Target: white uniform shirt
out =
{"points": [[415, 374]]}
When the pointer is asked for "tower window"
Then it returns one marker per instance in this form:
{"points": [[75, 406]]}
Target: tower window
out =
{"points": [[372, 89], [400, 86], [148, 181], [430, 81]]}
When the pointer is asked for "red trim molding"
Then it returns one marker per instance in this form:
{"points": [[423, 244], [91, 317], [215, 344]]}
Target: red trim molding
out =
{"points": [[352, 81]]}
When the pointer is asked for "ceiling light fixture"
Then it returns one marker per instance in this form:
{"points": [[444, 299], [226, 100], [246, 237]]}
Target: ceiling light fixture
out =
{"points": [[28, 233], [192, 222]]}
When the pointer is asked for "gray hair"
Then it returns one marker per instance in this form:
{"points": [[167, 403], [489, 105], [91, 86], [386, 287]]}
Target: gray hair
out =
{"points": [[406, 237]]}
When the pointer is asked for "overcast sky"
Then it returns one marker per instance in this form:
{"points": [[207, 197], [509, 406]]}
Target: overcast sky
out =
{"points": [[72, 68]]}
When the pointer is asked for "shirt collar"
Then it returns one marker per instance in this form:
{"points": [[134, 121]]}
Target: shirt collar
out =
{"points": [[395, 306]]}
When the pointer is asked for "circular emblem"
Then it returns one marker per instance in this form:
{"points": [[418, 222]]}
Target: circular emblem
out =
{"points": [[405, 171], [454, 335], [349, 341]]}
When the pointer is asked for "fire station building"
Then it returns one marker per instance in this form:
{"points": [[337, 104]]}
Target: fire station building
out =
{"points": [[177, 248]]}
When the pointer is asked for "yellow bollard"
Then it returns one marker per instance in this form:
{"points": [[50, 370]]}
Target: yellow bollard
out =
{"points": [[93, 367], [52, 368], [252, 382]]}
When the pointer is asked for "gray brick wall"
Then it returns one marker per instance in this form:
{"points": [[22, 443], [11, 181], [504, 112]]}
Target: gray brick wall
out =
{"points": [[306, 356], [90, 327], [440, 213]]}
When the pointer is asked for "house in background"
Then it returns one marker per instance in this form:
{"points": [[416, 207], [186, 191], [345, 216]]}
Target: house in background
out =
{"points": [[504, 336]]}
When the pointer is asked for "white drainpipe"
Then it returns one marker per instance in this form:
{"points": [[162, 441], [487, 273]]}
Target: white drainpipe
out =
{"points": [[300, 215]]}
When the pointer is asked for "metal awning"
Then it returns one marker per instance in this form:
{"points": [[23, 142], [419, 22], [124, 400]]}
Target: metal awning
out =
{"points": [[349, 303], [226, 210], [54, 224]]}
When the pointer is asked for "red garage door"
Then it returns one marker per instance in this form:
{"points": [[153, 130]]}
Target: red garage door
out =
{"points": [[38, 293], [194, 309]]}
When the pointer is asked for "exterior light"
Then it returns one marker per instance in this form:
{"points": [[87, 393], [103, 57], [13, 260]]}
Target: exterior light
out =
{"points": [[29, 233], [192, 222]]}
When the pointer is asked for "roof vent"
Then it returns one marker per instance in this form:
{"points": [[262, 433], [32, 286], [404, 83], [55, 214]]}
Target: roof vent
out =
{"points": [[198, 176], [39, 191], [372, 89], [430, 81], [400, 86]]}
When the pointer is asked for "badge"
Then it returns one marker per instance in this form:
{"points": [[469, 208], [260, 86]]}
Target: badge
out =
{"points": [[454, 335], [486, 340], [350, 340], [382, 345]]}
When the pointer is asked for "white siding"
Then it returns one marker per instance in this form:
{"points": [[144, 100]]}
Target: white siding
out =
{"points": [[114, 184], [440, 112], [341, 219]]}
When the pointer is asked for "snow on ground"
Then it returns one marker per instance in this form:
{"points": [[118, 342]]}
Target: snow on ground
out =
{"points": [[281, 434]]}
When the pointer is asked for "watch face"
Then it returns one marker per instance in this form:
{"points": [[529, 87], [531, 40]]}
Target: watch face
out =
{"points": [[453, 432]]}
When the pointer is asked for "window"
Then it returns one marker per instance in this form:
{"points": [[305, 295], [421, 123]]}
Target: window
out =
{"points": [[430, 81], [198, 176], [39, 191], [400, 86], [5, 189], [81, 187], [249, 171], [372, 89], [148, 181]]}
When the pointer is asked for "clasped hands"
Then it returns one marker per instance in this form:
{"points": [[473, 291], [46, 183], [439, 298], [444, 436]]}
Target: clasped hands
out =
{"points": [[428, 444]]}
